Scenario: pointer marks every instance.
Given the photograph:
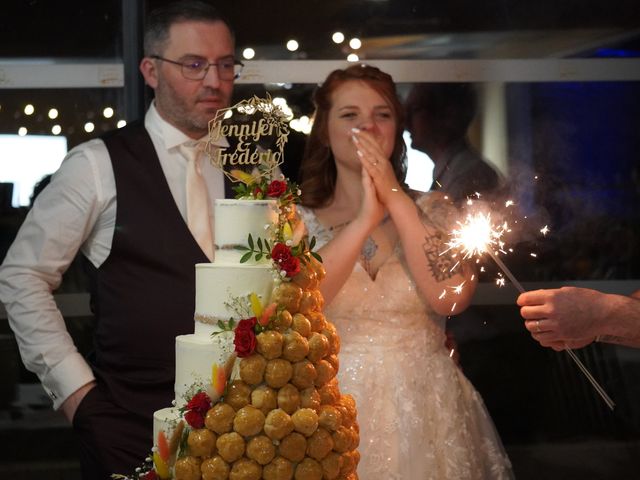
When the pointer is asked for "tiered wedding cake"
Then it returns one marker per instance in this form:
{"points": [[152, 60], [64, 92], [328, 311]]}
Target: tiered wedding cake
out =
{"points": [[256, 395]]}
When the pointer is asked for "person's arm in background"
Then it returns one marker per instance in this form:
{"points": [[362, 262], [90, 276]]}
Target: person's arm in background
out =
{"points": [[572, 317], [63, 217]]}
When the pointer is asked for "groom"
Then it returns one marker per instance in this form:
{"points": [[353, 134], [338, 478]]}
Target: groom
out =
{"points": [[121, 201]]}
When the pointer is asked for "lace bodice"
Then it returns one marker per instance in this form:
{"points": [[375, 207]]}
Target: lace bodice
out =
{"points": [[388, 308], [419, 417]]}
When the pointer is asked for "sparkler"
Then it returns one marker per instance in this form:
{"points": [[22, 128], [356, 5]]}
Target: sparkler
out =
{"points": [[478, 235]]}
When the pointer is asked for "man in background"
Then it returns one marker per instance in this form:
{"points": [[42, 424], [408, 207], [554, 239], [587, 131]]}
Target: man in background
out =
{"points": [[438, 116]]}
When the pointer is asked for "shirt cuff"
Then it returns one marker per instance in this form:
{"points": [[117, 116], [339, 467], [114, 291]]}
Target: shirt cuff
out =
{"points": [[67, 377]]}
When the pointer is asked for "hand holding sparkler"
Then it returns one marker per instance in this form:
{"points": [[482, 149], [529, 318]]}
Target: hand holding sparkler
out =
{"points": [[476, 236]]}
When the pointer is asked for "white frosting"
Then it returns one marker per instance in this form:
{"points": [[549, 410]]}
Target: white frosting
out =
{"points": [[235, 220], [195, 357], [220, 287]]}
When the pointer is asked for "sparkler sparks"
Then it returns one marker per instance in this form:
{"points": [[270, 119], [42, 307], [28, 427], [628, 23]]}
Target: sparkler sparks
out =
{"points": [[478, 235]]}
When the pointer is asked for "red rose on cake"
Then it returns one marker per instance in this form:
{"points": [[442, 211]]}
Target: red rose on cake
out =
{"points": [[276, 188], [197, 409], [285, 260], [245, 338]]}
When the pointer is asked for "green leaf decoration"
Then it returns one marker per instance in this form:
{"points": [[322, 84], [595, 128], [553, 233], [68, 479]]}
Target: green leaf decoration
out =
{"points": [[250, 242], [240, 247], [317, 256], [260, 243], [259, 256], [312, 243], [245, 258]]}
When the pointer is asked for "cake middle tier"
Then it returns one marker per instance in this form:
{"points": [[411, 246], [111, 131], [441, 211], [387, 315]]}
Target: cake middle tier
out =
{"points": [[222, 293]]}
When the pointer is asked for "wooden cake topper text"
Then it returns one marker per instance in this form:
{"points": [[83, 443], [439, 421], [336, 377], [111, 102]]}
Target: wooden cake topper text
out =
{"points": [[256, 131]]}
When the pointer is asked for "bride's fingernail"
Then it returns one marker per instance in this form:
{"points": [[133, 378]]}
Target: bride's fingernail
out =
{"points": [[355, 139], [360, 154], [355, 130]]}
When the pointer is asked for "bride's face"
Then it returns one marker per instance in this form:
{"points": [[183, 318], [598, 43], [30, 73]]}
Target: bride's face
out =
{"points": [[356, 104]]}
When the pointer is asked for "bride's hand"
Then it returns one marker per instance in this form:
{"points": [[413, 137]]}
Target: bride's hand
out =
{"points": [[377, 165], [371, 210]]}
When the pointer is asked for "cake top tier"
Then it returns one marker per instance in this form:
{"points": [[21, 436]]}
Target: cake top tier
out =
{"points": [[236, 220]]}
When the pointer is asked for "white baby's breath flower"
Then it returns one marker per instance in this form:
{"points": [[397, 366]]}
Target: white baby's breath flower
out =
{"points": [[288, 243], [283, 273]]}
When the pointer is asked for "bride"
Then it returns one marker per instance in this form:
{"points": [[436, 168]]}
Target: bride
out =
{"points": [[389, 290]]}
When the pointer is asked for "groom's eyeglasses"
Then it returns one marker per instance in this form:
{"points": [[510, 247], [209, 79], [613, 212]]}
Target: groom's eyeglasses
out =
{"points": [[197, 68]]}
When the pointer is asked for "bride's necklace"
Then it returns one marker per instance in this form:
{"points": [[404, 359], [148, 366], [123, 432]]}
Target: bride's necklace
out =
{"points": [[369, 247]]}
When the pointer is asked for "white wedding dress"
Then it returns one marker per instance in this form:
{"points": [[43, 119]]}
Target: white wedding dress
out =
{"points": [[420, 418]]}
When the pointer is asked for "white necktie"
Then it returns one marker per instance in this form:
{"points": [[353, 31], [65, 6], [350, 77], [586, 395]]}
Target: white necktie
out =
{"points": [[197, 198]]}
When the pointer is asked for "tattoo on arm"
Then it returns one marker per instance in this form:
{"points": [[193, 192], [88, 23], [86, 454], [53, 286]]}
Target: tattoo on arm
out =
{"points": [[441, 266]]}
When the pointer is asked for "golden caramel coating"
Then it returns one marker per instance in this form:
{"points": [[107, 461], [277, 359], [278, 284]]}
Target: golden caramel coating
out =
{"points": [[187, 468], [201, 442], [318, 321], [331, 465], [347, 407], [245, 469], [329, 417], [279, 469], [308, 303], [269, 344], [325, 373], [296, 347], [287, 295], [319, 299], [318, 267], [252, 369], [308, 469], [301, 324], [230, 446], [354, 432], [278, 372], [220, 418], [264, 398], [341, 440], [289, 398], [305, 421], [249, 421], [310, 398], [334, 361], [278, 424], [329, 393], [331, 333], [349, 463], [261, 449], [307, 278], [318, 347], [215, 468], [238, 394], [319, 444], [282, 321], [293, 447], [304, 374]]}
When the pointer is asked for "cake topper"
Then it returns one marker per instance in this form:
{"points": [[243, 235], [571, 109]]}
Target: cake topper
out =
{"points": [[255, 131]]}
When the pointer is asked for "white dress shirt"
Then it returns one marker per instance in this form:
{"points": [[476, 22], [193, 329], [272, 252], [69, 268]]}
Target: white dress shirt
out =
{"points": [[77, 211]]}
